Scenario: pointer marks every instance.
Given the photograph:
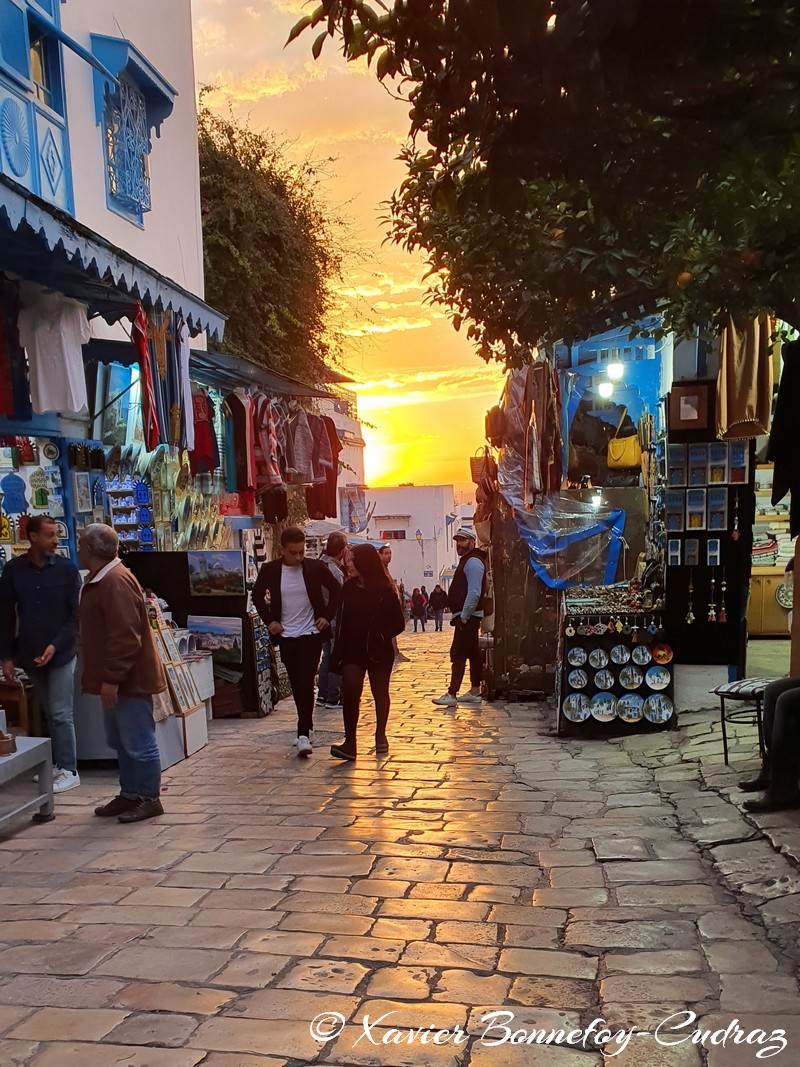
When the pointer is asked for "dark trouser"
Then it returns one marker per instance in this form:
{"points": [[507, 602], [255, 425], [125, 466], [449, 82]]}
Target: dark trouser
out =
{"points": [[300, 657], [438, 618], [330, 684], [782, 732], [352, 687], [419, 618], [465, 647]]}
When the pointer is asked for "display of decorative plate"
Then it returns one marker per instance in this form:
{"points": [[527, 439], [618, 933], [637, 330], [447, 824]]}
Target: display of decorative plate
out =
{"points": [[576, 707], [658, 677], [662, 654], [598, 657], [51, 451], [629, 707], [620, 654], [642, 655], [603, 707], [630, 677], [578, 679], [576, 657], [604, 680], [658, 708]]}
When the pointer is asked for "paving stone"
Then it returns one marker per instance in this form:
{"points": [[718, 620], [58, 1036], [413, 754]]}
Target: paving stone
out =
{"points": [[334, 976], [783, 910], [622, 988], [726, 925], [403, 983], [63, 1054], [467, 933], [59, 958], [647, 872], [402, 929], [739, 957], [154, 1029], [250, 970], [553, 993], [241, 1059], [18, 1053], [465, 987], [647, 1051], [281, 1004], [364, 948], [551, 964], [631, 848], [169, 996], [726, 1052], [326, 924], [668, 896], [759, 993], [10, 1016], [569, 898], [577, 877], [652, 935], [427, 954], [669, 962], [68, 1024], [352, 1049], [396, 1014], [291, 1039], [161, 964]]}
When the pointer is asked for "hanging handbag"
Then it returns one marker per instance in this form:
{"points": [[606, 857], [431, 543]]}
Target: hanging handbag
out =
{"points": [[624, 453], [482, 467]]}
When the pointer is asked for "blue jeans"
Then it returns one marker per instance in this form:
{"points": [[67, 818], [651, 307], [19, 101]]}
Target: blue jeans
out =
{"points": [[54, 688], [438, 618], [131, 732], [330, 684]]}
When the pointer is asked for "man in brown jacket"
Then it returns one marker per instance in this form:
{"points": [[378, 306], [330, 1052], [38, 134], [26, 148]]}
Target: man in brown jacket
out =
{"points": [[120, 664]]}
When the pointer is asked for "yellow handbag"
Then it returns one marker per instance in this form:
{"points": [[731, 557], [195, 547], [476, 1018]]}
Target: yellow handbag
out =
{"points": [[624, 453]]}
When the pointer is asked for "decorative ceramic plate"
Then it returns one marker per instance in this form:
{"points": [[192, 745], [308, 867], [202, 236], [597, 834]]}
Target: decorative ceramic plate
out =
{"points": [[620, 654], [629, 707], [51, 451], [658, 678], [576, 707], [576, 657], [578, 679], [662, 654], [598, 657], [604, 680], [642, 655], [603, 707], [630, 677], [658, 708]]}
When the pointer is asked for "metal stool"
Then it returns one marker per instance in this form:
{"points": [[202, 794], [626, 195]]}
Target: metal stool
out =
{"points": [[751, 690]]}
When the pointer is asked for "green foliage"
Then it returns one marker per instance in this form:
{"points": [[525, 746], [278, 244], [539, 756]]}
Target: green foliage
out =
{"points": [[588, 160], [272, 255]]}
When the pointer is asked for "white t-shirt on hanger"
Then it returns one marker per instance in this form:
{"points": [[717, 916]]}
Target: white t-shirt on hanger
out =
{"points": [[52, 330]]}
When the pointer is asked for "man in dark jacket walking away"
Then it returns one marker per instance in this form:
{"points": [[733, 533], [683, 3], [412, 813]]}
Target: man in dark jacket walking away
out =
{"points": [[466, 603], [289, 595]]}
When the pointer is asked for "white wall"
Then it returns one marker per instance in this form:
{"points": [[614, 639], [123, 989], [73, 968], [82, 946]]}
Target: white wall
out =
{"points": [[171, 240], [412, 508], [351, 458]]}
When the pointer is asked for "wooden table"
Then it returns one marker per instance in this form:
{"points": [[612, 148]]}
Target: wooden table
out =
{"points": [[18, 795], [21, 708]]}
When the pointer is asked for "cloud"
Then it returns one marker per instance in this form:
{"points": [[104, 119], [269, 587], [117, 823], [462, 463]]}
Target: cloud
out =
{"points": [[428, 387], [389, 325]]}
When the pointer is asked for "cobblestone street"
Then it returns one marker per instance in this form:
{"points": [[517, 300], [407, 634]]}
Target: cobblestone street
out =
{"points": [[484, 864]]}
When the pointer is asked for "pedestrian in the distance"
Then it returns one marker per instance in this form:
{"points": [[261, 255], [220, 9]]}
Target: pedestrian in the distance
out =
{"points": [[298, 615], [121, 666], [467, 599], [39, 631], [438, 603], [369, 617], [417, 609], [426, 600]]}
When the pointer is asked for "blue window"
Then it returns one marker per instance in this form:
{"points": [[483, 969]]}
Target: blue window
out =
{"points": [[128, 109]]}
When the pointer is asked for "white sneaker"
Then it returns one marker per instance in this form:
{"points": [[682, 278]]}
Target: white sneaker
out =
{"points": [[447, 700], [304, 747], [470, 698], [310, 738], [64, 780]]}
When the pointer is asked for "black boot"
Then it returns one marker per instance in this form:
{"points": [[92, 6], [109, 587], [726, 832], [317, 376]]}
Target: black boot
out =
{"points": [[775, 799], [763, 781]]}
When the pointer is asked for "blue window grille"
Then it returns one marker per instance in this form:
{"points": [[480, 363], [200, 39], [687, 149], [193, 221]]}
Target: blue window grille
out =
{"points": [[127, 147]]}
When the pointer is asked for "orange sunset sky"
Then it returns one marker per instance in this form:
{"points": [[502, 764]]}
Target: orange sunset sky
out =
{"points": [[422, 387]]}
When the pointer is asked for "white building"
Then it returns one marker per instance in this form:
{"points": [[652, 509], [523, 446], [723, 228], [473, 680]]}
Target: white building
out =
{"points": [[418, 521], [351, 514]]}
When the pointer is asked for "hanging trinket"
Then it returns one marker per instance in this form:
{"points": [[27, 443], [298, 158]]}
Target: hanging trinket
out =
{"points": [[652, 628], [626, 629], [570, 629], [635, 630], [690, 612], [712, 607], [735, 531], [723, 614], [618, 625], [580, 629], [610, 627]]}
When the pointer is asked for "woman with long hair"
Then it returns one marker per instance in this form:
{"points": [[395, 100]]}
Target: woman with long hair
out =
{"points": [[418, 609], [369, 617]]}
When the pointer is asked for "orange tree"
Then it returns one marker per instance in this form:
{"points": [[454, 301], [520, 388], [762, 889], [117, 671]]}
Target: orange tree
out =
{"points": [[573, 163]]}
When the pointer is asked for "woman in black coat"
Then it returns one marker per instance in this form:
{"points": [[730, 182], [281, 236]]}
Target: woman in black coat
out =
{"points": [[370, 616]]}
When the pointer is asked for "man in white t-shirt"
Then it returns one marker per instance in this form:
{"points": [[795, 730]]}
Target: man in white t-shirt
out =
{"points": [[290, 596]]}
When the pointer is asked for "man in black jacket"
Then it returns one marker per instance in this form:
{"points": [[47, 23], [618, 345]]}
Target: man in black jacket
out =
{"points": [[289, 597]]}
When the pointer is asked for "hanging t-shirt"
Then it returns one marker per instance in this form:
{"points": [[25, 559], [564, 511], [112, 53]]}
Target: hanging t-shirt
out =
{"points": [[52, 329], [297, 613]]}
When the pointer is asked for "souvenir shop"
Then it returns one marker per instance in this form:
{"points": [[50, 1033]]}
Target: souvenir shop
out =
{"points": [[619, 518]]}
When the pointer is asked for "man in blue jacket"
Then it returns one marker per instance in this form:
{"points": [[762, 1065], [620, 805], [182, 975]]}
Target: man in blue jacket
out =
{"points": [[289, 595], [39, 593], [466, 603]]}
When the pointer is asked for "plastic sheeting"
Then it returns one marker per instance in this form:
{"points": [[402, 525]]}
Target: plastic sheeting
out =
{"points": [[511, 469], [572, 542]]}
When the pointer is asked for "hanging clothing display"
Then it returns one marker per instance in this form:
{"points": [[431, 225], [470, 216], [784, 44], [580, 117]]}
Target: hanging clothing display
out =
{"points": [[204, 456], [185, 386], [299, 449], [166, 377], [52, 330], [321, 456], [240, 459], [275, 505], [744, 383], [784, 440], [15, 393], [322, 500], [150, 423], [268, 472]]}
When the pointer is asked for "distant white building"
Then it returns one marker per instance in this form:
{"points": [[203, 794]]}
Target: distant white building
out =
{"points": [[352, 513], [418, 521]]}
